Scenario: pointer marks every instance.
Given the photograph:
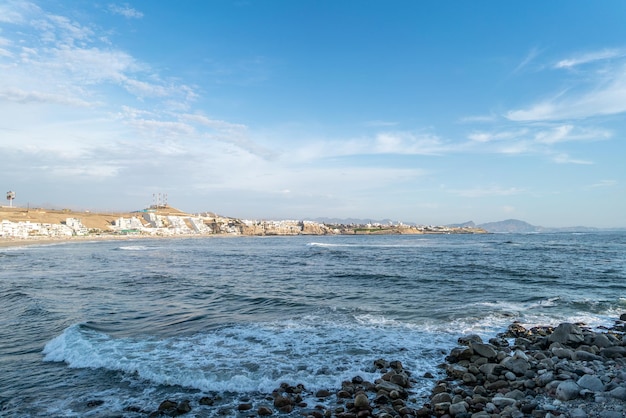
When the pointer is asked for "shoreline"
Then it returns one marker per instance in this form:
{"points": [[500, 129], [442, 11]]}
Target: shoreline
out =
{"points": [[567, 371]]}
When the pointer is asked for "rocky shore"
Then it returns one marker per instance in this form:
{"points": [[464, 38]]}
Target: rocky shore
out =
{"points": [[568, 371]]}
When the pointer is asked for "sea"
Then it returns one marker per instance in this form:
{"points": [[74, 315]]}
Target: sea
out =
{"points": [[113, 328]]}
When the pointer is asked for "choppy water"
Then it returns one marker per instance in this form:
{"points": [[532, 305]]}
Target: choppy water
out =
{"points": [[105, 328]]}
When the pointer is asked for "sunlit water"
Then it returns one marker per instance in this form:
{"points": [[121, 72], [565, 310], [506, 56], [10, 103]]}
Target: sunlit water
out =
{"points": [[131, 323]]}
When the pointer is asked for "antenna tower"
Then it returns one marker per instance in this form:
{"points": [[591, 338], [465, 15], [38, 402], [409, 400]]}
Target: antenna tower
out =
{"points": [[10, 197]]}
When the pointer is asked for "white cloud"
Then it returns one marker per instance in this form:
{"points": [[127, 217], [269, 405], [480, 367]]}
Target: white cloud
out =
{"points": [[17, 11], [590, 57], [566, 159], [126, 11], [596, 91], [564, 133], [603, 184], [407, 143], [497, 136], [479, 119], [21, 96]]}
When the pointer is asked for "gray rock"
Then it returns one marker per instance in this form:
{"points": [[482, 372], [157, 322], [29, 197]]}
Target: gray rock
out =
{"points": [[591, 382], [481, 414], [518, 366], [502, 402], [456, 371], [387, 386], [581, 355], [441, 408], [491, 368], [484, 350], [602, 341], [544, 379], [467, 339], [563, 352], [611, 414], [516, 394], [578, 413], [618, 393], [567, 390], [441, 397], [457, 408], [614, 352], [567, 333]]}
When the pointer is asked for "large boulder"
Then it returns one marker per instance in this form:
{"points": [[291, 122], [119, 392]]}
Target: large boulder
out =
{"points": [[519, 366], [484, 350], [568, 334], [591, 382]]}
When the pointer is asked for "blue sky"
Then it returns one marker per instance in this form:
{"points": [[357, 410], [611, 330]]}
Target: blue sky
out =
{"points": [[427, 112]]}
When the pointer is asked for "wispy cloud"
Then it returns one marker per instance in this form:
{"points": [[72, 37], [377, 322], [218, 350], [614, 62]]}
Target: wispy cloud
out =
{"points": [[479, 119], [126, 11], [566, 159], [593, 91], [530, 57], [603, 184], [589, 57]]}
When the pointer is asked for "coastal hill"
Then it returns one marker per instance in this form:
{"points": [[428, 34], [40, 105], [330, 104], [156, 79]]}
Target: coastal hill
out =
{"points": [[164, 220]]}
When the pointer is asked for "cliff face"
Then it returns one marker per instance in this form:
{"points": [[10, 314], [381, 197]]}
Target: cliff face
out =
{"points": [[284, 228]]}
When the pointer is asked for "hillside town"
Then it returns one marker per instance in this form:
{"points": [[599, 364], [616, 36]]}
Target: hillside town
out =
{"points": [[165, 221]]}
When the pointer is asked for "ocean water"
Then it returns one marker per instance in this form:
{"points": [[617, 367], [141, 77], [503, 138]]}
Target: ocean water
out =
{"points": [[101, 329]]}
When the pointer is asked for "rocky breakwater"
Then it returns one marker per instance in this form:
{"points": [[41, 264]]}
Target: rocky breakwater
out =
{"points": [[568, 371]]}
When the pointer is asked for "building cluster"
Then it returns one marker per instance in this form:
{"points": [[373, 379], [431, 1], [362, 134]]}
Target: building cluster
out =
{"points": [[23, 230], [150, 223]]}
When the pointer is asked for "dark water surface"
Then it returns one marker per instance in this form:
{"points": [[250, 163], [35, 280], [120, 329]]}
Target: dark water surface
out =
{"points": [[104, 328]]}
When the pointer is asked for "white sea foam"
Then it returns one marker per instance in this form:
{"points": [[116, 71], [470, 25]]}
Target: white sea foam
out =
{"points": [[134, 248], [314, 351]]}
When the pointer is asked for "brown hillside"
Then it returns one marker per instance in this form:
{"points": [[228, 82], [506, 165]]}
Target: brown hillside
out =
{"points": [[56, 216]]}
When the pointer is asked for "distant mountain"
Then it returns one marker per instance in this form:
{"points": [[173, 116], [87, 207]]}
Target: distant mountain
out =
{"points": [[511, 225], [517, 226], [468, 224]]}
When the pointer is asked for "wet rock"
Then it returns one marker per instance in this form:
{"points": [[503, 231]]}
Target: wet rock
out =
{"points": [[467, 339], [205, 400], [484, 350], [441, 397], [361, 401], [167, 407], [183, 407], [322, 393], [244, 406], [282, 401], [567, 333], [264, 410]]}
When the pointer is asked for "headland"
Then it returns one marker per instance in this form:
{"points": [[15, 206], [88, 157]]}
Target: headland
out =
{"points": [[40, 224]]}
